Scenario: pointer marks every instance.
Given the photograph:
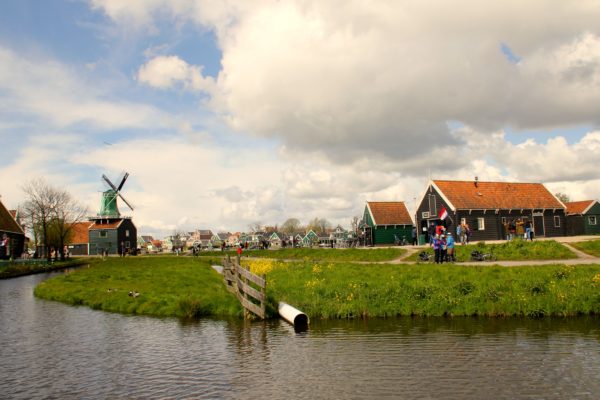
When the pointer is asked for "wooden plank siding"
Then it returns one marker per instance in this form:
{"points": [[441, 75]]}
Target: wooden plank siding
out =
{"points": [[432, 203]]}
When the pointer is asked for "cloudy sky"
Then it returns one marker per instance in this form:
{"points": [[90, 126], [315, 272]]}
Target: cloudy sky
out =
{"points": [[228, 113]]}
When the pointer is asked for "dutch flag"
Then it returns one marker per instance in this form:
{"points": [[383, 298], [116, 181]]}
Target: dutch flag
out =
{"points": [[443, 213]]}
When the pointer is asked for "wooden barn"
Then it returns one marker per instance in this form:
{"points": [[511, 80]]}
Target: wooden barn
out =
{"points": [[15, 236], [112, 235], [583, 217], [386, 222], [487, 206], [79, 243]]}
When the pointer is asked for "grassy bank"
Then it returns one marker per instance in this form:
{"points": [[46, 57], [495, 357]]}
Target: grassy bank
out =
{"points": [[591, 247], [359, 290], [167, 286], [28, 267], [319, 254], [514, 250]]}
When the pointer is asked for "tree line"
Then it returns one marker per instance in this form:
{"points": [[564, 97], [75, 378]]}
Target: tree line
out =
{"points": [[49, 214]]}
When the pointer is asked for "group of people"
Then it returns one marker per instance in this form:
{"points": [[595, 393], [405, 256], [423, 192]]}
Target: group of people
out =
{"points": [[518, 228], [443, 247]]}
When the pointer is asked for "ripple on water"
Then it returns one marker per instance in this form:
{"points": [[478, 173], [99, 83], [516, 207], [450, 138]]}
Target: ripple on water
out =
{"points": [[55, 351]]}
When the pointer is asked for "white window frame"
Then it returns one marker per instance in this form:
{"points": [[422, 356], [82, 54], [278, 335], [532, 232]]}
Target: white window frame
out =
{"points": [[557, 221], [481, 224], [463, 221], [127, 233], [592, 218]]}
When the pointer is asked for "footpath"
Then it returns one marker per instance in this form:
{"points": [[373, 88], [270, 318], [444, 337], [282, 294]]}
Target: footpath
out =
{"points": [[582, 258]]}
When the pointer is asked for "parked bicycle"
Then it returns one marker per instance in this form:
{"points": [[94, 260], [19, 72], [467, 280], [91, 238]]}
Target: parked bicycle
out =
{"points": [[400, 241], [479, 256], [425, 256]]}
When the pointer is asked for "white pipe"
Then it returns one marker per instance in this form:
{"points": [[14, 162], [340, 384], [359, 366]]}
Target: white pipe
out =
{"points": [[294, 316]]}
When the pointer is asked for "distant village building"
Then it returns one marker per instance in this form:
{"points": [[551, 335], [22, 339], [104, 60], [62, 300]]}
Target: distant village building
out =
{"points": [[487, 207], [386, 222], [14, 244], [583, 217]]}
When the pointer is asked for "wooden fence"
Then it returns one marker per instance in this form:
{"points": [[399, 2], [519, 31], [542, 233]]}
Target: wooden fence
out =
{"points": [[249, 288]]}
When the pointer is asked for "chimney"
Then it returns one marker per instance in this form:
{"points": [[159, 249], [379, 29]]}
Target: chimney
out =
{"points": [[476, 179]]}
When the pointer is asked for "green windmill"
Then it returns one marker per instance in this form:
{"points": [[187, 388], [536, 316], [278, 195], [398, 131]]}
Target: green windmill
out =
{"points": [[108, 205]]}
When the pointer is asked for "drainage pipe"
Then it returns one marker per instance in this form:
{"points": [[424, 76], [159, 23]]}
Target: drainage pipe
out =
{"points": [[294, 316]]}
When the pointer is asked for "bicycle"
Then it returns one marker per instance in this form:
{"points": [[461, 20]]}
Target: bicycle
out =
{"points": [[479, 256], [426, 257]]}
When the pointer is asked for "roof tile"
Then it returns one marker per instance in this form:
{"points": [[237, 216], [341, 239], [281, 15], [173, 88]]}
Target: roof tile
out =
{"points": [[497, 195], [389, 213]]}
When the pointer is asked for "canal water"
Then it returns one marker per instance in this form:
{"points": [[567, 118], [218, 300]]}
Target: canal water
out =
{"points": [[53, 351]]}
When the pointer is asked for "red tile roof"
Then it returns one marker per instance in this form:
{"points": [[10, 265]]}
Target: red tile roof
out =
{"points": [[578, 207], [110, 225], [497, 195], [7, 221], [389, 213], [80, 233]]}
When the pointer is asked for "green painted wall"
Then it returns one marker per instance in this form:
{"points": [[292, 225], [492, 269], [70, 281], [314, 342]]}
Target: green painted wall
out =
{"points": [[385, 234], [592, 229], [108, 243]]}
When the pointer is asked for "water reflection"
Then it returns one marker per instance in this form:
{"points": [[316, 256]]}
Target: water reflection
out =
{"points": [[50, 350]]}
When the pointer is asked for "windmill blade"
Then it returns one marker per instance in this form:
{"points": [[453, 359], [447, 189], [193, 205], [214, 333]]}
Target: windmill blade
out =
{"points": [[109, 182], [123, 181], [125, 201]]}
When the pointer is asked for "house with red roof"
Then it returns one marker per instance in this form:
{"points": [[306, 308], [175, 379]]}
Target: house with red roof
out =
{"points": [[13, 244], [78, 243], [386, 222], [583, 217], [487, 208]]}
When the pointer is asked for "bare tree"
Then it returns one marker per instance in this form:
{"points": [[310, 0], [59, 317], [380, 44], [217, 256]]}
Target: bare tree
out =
{"points": [[291, 226], [52, 213], [319, 225], [563, 197]]}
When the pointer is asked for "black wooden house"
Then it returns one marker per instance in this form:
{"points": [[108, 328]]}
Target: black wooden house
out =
{"points": [[487, 206]]}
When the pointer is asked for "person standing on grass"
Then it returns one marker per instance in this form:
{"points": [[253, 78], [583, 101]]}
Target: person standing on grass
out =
{"points": [[414, 236], [450, 245], [437, 248]]}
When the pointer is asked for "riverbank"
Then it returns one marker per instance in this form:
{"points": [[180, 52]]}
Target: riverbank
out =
{"points": [[383, 290], [28, 267], [181, 287], [188, 287]]}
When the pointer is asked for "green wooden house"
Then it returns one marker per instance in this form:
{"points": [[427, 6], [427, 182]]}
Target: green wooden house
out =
{"points": [[386, 222], [310, 239], [583, 217]]}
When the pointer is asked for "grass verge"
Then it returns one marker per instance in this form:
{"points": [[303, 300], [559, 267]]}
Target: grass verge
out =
{"points": [[591, 247], [20, 268], [359, 290], [168, 287], [320, 254], [514, 250]]}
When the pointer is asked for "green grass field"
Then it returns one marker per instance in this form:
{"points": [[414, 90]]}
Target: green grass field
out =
{"points": [[383, 290], [167, 286], [591, 247], [514, 250], [319, 254], [188, 287]]}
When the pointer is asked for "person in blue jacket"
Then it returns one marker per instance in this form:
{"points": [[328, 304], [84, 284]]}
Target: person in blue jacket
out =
{"points": [[450, 256]]}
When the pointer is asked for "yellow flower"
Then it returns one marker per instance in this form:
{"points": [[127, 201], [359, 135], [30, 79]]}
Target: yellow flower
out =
{"points": [[596, 278]]}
